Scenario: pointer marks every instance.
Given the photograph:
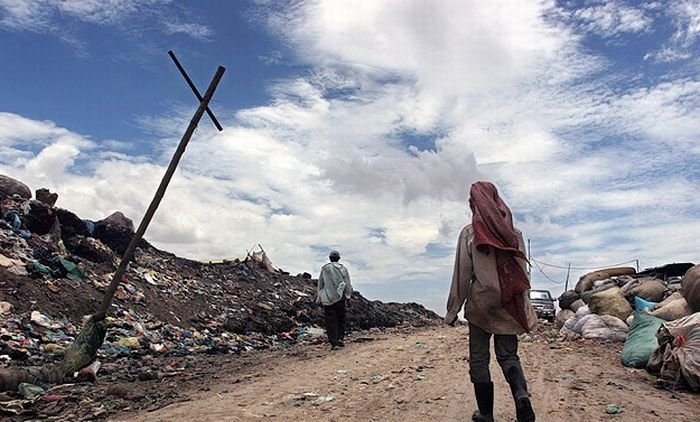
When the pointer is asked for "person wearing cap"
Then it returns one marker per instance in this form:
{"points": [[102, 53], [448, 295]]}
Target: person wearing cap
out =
{"points": [[333, 290], [490, 276]]}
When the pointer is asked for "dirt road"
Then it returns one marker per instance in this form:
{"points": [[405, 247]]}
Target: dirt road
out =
{"points": [[422, 376]]}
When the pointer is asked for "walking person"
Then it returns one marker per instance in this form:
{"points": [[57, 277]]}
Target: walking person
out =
{"points": [[334, 289], [489, 275]]}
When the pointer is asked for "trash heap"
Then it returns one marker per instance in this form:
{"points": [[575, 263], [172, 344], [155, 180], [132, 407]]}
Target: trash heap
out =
{"points": [[655, 313], [55, 266]]}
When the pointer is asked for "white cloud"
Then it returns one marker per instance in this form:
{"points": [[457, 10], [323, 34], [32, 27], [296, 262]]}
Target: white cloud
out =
{"points": [[685, 15], [611, 18], [19, 15], [194, 30], [102, 12], [49, 16]]}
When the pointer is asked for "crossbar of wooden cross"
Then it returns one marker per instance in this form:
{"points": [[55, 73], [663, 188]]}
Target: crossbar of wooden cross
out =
{"points": [[194, 89]]}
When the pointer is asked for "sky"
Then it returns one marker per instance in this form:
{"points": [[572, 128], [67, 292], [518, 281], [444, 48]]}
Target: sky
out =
{"points": [[359, 126]]}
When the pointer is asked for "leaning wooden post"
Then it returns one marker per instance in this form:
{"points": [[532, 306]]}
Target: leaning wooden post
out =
{"points": [[203, 105], [90, 339], [85, 346]]}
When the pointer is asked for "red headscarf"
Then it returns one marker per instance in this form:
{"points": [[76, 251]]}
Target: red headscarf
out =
{"points": [[492, 222]]}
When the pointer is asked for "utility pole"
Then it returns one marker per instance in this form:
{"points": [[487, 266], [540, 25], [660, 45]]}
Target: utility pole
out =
{"points": [[529, 260], [568, 271]]}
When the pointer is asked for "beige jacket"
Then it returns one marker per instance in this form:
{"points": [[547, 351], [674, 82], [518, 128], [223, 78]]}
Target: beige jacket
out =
{"points": [[475, 280]]}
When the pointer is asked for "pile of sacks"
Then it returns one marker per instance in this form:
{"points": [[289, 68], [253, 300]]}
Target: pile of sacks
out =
{"points": [[659, 323]]}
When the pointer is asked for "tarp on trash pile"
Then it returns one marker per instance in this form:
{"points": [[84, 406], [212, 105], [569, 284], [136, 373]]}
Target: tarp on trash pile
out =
{"points": [[262, 259], [641, 340], [677, 359], [641, 304]]}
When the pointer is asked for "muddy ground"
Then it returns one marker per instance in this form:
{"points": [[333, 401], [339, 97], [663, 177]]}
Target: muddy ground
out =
{"points": [[413, 375]]}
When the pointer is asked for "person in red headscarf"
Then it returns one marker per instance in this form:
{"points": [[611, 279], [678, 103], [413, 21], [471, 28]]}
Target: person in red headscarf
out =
{"points": [[489, 275]]}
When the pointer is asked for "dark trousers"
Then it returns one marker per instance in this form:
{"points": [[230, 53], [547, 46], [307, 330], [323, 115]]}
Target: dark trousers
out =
{"points": [[506, 354], [335, 321]]}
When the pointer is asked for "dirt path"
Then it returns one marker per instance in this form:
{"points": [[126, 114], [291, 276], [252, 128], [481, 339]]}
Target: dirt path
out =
{"points": [[422, 376]]}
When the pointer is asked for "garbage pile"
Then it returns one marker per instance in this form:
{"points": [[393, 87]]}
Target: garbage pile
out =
{"points": [[655, 313], [55, 266]]}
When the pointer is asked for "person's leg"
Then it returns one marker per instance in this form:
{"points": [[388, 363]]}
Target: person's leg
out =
{"points": [[331, 324], [479, 374], [340, 312], [507, 355]]}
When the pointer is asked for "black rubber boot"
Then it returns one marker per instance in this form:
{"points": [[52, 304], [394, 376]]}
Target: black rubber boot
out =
{"points": [[484, 401], [518, 386]]}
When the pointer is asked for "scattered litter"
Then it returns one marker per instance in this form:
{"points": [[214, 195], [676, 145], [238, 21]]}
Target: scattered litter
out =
{"points": [[613, 409], [30, 391], [322, 399]]}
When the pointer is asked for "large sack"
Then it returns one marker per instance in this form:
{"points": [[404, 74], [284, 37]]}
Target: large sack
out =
{"points": [[652, 290], [117, 218], [641, 340], [677, 361], [577, 305], [677, 309], [610, 302], [586, 296], [562, 317], [587, 280], [581, 322], [10, 186], [567, 334], [571, 322], [630, 283], [605, 327], [690, 287], [673, 296], [567, 298]]}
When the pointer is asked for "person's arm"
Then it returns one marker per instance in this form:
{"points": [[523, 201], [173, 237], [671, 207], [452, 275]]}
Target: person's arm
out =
{"points": [[348, 286], [461, 276], [319, 287], [521, 245]]}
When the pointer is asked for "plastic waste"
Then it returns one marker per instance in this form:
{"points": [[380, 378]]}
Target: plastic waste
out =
{"points": [[30, 391]]}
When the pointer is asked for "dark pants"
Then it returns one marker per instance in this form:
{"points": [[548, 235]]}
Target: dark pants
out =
{"points": [[506, 354], [335, 321]]}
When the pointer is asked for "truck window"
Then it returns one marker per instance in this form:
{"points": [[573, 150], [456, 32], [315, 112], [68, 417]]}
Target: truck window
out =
{"points": [[539, 294]]}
